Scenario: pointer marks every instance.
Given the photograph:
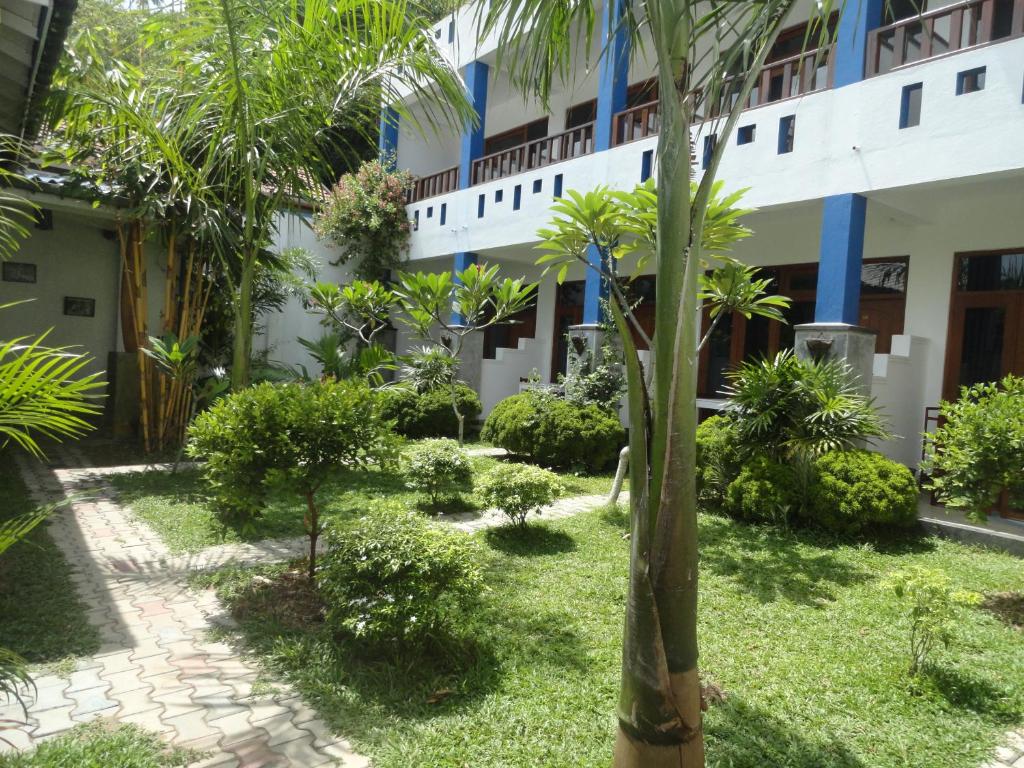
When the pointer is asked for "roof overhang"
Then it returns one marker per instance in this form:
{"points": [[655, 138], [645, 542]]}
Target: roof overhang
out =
{"points": [[32, 34]]}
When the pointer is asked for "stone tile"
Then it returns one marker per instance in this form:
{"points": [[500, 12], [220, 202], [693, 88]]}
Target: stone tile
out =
{"points": [[91, 701], [151, 720], [256, 754], [50, 721], [301, 752], [191, 726]]}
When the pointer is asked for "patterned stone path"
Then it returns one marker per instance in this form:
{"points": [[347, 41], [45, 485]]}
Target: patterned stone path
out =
{"points": [[1011, 755], [156, 666]]}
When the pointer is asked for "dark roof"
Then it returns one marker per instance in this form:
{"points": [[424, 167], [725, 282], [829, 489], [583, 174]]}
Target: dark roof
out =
{"points": [[32, 38]]}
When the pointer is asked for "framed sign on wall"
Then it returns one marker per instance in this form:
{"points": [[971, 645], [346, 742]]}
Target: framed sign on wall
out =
{"points": [[19, 272], [78, 306]]}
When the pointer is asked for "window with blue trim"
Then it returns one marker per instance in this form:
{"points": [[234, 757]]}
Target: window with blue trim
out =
{"points": [[430, 211], [558, 185], [910, 105], [538, 185], [787, 134], [444, 213], [646, 165], [480, 201], [499, 195], [517, 197], [970, 81], [709, 150]]}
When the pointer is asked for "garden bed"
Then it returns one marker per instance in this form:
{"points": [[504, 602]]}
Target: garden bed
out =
{"points": [[810, 651]]}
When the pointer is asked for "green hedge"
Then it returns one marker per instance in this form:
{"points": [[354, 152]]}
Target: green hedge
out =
{"points": [[551, 431], [764, 491], [428, 414], [718, 462]]}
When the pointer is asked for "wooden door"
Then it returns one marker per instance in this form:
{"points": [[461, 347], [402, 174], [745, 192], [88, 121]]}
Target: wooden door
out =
{"points": [[568, 312]]}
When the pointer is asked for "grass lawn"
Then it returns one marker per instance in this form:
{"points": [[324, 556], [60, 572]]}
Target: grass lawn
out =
{"points": [[176, 506], [810, 652], [42, 617], [102, 744]]}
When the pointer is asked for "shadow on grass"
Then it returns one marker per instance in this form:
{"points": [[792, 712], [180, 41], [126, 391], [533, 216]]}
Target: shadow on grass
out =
{"points": [[742, 736], [966, 691], [774, 565], [1008, 607], [529, 540], [449, 505]]}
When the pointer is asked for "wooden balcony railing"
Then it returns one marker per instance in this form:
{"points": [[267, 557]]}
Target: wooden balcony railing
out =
{"points": [[806, 72], [436, 184], [536, 154], [636, 123], [944, 30]]}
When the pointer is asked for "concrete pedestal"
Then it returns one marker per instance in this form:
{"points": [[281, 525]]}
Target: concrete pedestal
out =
{"points": [[471, 360], [853, 344], [585, 342]]}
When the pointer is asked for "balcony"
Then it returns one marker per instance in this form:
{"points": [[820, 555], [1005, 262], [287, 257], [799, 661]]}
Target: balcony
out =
{"points": [[575, 142], [945, 30], [431, 186]]}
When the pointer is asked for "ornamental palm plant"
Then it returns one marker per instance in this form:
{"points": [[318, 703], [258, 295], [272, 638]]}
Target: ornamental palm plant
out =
{"points": [[708, 58]]}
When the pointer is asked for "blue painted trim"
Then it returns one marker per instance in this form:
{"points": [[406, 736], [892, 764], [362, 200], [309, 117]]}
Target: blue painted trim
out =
{"points": [[558, 185], [517, 197], [481, 201], [594, 288], [472, 146], [857, 18], [646, 165], [387, 142], [905, 96], [444, 214], [786, 142], [463, 260], [842, 253], [709, 150], [613, 73]]}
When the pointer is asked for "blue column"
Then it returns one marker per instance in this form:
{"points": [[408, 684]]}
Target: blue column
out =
{"points": [[462, 261], [594, 288], [388, 142], [472, 147], [613, 73], [856, 19], [842, 252]]}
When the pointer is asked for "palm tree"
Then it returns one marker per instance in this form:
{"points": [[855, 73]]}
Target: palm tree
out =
{"points": [[254, 101], [709, 57]]}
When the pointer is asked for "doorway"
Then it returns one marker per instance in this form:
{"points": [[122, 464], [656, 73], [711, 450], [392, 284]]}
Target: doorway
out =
{"points": [[568, 312]]}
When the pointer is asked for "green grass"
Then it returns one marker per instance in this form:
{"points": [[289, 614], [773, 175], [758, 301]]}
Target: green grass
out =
{"points": [[42, 617], [809, 650], [102, 744], [175, 505]]}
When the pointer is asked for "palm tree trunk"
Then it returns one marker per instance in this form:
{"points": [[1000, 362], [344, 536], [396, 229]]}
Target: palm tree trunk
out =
{"points": [[242, 352]]}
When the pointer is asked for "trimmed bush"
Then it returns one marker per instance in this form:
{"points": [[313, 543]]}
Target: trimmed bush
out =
{"points": [[428, 414], [857, 489], [395, 578], [519, 489], [718, 461], [554, 432], [764, 491], [438, 468]]}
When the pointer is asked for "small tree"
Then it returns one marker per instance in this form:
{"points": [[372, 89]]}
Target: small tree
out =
{"points": [[438, 467], [445, 311], [519, 489], [291, 436]]}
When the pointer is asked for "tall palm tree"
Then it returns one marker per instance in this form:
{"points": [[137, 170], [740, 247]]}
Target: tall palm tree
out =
{"points": [[708, 58], [250, 103]]}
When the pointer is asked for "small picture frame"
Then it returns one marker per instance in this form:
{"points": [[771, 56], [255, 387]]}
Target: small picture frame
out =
{"points": [[77, 306], [19, 272]]}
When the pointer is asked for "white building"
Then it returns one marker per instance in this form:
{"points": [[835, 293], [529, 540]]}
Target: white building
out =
{"points": [[888, 174]]}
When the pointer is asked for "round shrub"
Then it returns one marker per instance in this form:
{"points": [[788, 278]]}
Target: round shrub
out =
{"points": [[428, 414], [395, 578], [554, 432], [763, 491], [856, 489], [718, 461], [437, 468], [519, 489]]}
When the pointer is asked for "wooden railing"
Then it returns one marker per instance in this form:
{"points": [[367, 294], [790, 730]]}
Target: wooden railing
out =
{"points": [[944, 30], [536, 154], [636, 123], [436, 184], [806, 72]]}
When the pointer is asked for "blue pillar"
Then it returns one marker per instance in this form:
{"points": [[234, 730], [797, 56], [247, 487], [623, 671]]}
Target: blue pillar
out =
{"points": [[856, 19], [842, 252], [594, 288], [613, 73], [472, 147], [462, 261], [388, 142]]}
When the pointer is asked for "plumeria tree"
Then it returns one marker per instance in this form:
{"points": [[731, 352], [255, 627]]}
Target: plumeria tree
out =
{"points": [[708, 57]]}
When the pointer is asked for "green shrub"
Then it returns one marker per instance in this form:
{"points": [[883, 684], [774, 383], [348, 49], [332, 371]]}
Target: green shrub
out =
{"points": [[932, 604], [288, 435], [103, 744], [428, 414], [438, 467], [554, 432], [853, 490], [519, 489], [979, 451], [764, 491], [395, 578], [718, 462]]}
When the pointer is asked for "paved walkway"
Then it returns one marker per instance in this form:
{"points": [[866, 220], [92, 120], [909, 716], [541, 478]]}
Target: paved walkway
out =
{"points": [[156, 666]]}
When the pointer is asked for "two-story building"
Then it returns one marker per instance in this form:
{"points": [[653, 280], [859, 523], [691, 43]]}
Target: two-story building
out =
{"points": [[887, 172]]}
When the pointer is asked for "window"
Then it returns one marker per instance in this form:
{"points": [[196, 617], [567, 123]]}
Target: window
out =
{"points": [[538, 185], [642, 93], [745, 135], [451, 31], [480, 202], [646, 163], [991, 272], [430, 211], [910, 105], [517, 197], [580, 114], [516, 137], [970, 80], [787, 133], [415, 221], [709, 150], [444, 213], [499, 195]]}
